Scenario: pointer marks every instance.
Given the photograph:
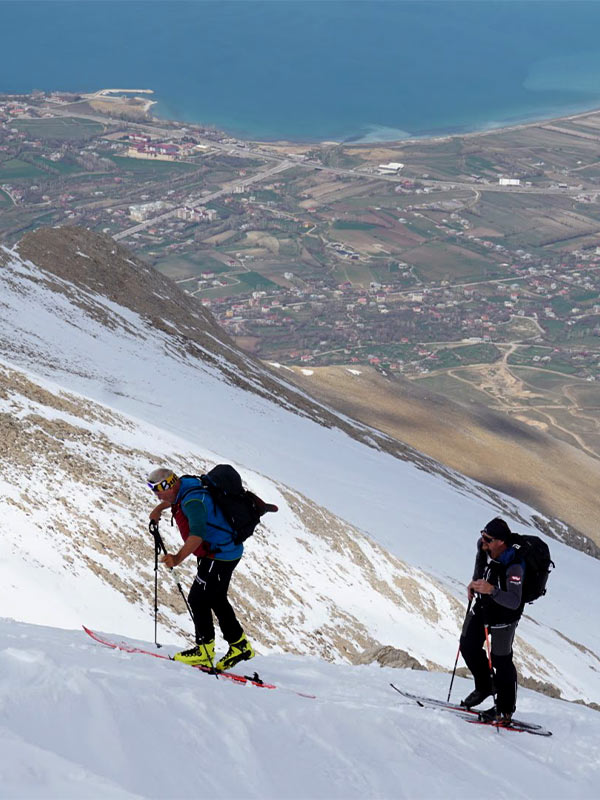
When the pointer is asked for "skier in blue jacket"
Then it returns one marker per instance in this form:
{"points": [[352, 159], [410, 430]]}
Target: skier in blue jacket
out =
{"points": [[208, 535]]}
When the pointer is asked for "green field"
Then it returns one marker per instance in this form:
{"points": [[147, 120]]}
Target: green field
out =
{"points": [[4, 199], [254, 280], [15, 169], [63, 129], [588, 395], [546, 382], [469, 354], [224, 291], [62, 167], [554, 328], [479, 164], [266, 195], [436, 261], [357, 272], [353, 225], [561, 305], [180, 267], [524, 357], [151, 167]]}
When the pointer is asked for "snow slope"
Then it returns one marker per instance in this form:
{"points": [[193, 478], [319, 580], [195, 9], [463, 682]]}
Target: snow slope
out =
{"points": [[81, 721], [163, 402]]}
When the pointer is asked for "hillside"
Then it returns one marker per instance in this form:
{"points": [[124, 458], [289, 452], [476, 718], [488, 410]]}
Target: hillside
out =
{"points": [[488, 446], [374, 542]]}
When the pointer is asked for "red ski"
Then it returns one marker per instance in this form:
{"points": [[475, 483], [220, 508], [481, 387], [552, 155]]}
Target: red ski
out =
{"points": [[130, 648]]}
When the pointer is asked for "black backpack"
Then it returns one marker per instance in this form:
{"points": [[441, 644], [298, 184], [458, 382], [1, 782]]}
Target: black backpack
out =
{"points": [[536, 555], [241, 508]]}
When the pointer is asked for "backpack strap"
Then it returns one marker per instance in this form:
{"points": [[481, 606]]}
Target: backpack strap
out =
{"points": [[203, 488]]}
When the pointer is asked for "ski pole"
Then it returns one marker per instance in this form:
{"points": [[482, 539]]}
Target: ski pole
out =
{"points": [[156, 552], [489, 655], [159, 547], [458, 651]]}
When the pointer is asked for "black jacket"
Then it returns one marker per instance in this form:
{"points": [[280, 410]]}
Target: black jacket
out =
{"points": [[506, 574]]}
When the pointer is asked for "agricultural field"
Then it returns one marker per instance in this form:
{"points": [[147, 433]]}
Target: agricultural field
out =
{"points": [[447, 357], [62, 167], [353, 225], [60, 129], [542, 381], [14, 169], [518, 328], [254, 280], [437, 261], [524, 356], [181, 267], [150, 167], [586, 395]]}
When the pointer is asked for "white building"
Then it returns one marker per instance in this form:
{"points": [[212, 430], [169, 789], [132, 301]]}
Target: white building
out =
{"points": [[392, 168], [509, 181], [143, 211], [196, 214]]}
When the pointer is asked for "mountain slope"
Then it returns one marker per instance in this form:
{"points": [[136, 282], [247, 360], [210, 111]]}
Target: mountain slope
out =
{"points": [[96, 392], [488, 446]]}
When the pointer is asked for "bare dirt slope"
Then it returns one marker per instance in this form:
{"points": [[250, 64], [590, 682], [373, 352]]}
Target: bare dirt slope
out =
{"points": [[554, 477]]}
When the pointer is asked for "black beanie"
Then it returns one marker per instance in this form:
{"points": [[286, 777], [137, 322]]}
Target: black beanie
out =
{"points": [[498, 529]]}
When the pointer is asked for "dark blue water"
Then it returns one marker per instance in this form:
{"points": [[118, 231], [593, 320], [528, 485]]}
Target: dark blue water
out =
{"points": [[315, 70]]}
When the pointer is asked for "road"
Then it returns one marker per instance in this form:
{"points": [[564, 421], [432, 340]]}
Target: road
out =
{"points": [[201, 201]]}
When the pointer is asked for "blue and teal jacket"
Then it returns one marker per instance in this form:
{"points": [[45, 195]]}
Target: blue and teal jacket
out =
{"points": [[196, 514]]}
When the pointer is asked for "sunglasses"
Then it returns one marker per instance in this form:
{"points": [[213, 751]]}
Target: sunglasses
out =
{"points": [[162, 486], [487, 538]]}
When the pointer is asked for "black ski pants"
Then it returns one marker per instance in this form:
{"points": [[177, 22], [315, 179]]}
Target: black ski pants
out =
{"points": [[472, 643], [209, 594]]}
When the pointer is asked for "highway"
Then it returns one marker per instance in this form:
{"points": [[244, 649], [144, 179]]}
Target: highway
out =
{"points": [[203, 200]]}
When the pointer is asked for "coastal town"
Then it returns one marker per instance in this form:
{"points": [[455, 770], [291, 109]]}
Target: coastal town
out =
{"points": [[413, 258]]}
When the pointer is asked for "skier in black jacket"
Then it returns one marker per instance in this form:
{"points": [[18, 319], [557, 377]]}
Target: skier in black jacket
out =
{"points": [[498, 586]]}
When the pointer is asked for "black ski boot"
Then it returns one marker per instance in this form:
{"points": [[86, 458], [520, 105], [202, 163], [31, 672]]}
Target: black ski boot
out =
{"points": [[489, 715], [475, 698]]}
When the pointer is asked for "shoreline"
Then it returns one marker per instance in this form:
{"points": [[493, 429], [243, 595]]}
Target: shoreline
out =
{"points": [[424, 138], [109, 96], [114, 95]]}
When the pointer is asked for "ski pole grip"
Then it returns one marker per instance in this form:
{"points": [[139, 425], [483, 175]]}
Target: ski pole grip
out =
{"points": [[158, 542]]}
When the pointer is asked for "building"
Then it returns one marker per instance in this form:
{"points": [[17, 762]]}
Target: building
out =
{"points": [[196, 214], [139, 137], [162, 152], [144, 211], [392, 168], [509, 181]]}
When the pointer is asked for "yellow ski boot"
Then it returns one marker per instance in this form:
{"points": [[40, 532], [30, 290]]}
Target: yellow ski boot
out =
{"points": [[201, 655], [238, 651]]}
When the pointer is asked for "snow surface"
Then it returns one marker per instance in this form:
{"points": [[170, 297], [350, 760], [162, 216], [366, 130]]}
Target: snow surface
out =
{"points": [[80, 721]]}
